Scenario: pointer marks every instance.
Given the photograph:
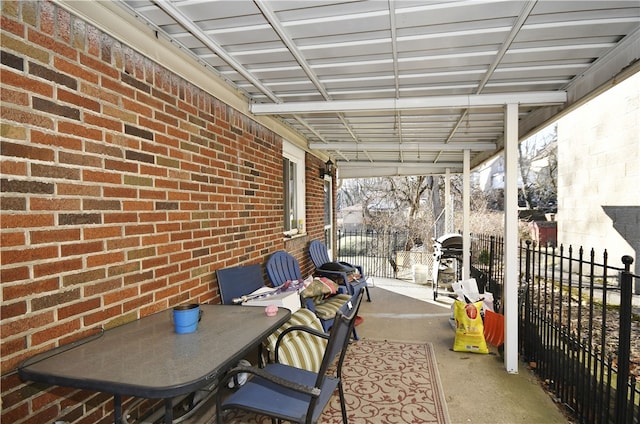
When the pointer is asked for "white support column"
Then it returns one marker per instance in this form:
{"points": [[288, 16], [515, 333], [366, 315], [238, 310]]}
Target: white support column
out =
{"points": [[466, 213], [510, 289], [448, 204]]}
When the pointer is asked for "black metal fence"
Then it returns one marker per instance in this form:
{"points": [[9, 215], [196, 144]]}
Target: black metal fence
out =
{"points": [[487, 252], [578, 330], [382, 254], [579, 319]]}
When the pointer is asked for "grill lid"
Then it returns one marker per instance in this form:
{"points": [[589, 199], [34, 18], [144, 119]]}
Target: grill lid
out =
{"points": [[450, 241]]}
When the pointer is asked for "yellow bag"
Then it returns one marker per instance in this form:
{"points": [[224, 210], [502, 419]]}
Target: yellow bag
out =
{"points": [[469, 328]]}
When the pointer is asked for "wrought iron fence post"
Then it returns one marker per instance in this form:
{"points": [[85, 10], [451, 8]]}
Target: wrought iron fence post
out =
{"points": [[492, 252], [527, 265], [525, 301], [624, 344], [392, 255]]}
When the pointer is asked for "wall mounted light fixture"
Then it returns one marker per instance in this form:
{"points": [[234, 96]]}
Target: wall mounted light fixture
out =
{"points": [[328, 169]]}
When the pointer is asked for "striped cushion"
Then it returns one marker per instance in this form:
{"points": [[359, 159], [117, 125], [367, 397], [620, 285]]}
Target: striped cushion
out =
{"points": [[326, 309], [298, 348]]}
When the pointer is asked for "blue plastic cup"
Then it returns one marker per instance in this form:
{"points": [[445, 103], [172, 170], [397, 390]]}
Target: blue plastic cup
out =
{"points": [[186, 318]]}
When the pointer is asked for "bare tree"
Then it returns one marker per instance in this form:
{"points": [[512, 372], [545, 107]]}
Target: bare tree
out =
{"points": [[526, 152], [538, 165], [436, 187], [410, 191], [546, 181], [350, 192], [407, 204]]}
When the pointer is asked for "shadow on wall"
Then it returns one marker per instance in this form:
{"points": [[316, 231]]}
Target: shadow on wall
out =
{"points": [[625, 220]]}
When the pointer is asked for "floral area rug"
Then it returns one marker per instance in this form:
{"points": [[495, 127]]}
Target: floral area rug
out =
{"points": [[384, 382]]}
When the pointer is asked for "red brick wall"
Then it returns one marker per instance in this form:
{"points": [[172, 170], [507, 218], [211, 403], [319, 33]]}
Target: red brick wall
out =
{"points": [[124, 188]]}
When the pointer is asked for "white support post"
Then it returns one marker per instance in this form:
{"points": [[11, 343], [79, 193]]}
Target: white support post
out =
{"points": [[510, 289], [448, 204], [466, 213]]}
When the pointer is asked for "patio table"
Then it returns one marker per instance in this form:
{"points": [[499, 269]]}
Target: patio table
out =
{"points": [[146, 358]]}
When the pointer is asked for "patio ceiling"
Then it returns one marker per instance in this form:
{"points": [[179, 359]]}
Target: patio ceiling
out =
{"points": [[404, 87]]}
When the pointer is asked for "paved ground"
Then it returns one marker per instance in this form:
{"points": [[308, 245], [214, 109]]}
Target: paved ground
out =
{"points": [[477, 387]]}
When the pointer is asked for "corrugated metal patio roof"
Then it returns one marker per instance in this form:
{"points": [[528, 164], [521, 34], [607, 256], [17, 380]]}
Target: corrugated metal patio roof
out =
{"points": [[404, 87]]}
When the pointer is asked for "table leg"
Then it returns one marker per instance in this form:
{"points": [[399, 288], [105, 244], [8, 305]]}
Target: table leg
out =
{"points": [[168, 411], [117, 409]]}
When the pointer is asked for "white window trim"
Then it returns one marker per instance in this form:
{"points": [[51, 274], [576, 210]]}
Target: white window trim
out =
{"points": [[297, 155]]}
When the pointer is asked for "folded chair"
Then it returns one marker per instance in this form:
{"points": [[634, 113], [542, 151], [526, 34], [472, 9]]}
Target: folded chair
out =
{"points": [[282, 267], [287, 393], [238, 281], [331, 269]]}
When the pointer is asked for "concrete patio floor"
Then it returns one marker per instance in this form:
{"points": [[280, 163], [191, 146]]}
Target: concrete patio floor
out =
{"points": [[477, 387]]}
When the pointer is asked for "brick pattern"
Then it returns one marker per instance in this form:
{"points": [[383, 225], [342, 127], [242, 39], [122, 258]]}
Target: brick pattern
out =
{"points": [[123, 189]]}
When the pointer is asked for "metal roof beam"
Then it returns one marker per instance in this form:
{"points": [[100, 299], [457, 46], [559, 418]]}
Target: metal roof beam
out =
{"points": [[349, 171], [392, 164], [415, 103], [175, 13], [407, 146]]}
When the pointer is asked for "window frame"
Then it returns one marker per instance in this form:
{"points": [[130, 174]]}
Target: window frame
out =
{"points": [[293, 154], [328, 214]]}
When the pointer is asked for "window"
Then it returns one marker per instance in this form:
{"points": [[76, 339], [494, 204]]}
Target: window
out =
{"points": [[294, 193]]}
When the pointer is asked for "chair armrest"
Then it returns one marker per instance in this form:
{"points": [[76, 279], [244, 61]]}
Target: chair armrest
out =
{"points": [[342, 275], [326, 273], [300, 328], [358, 267], [302, 388]]}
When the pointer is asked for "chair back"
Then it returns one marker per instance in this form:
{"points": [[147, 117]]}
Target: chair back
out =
{"points": [[281, 267], [237, 281], [340, 334], [298, 349], [284, 392], [318, 253]]}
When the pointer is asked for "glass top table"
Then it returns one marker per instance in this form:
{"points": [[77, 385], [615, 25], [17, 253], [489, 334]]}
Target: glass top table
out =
{"points": [[146, 358]]}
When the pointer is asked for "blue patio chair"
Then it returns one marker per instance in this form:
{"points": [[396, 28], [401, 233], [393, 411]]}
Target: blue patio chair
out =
{"points": [[287, 393], [331, 269], [235, 282], [296, 349], [282, 267], [238, 281]]}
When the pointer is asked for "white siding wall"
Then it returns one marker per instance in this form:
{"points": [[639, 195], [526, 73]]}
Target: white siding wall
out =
{"points": [[599, 157]]}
